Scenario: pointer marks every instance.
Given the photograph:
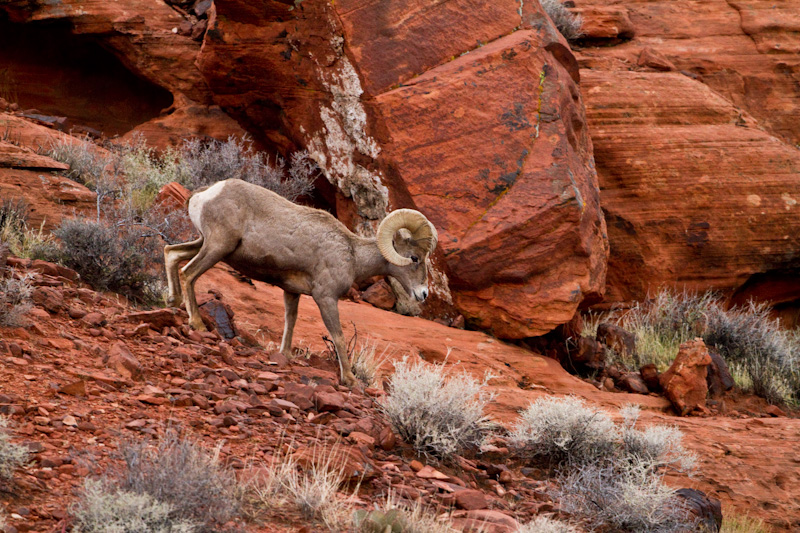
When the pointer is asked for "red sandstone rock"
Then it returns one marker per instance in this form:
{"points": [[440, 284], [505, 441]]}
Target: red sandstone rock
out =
{"points": [[380, 295], [121, 360], [519, 223], [684, 382]]}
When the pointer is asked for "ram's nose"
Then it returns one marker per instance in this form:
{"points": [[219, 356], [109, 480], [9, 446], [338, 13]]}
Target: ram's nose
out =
{"points": [[421, 295]]}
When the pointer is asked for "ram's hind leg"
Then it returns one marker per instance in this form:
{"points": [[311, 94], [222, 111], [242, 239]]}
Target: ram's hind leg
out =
{"points": [[173, 255], [290, 302], [208, 256]]}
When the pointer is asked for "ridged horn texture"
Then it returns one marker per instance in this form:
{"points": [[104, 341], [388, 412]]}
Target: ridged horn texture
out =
{"points": [[422, 231]]}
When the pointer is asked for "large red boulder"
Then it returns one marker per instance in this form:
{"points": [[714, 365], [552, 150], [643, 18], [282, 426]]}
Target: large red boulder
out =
{"points": [[401, 110]]}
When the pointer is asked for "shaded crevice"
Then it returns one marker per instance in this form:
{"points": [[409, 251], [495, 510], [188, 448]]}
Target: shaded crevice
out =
{"points": [[59, 73]]}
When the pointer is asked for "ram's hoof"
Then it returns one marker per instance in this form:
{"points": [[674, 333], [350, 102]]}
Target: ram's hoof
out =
{"points": [[350, 380], [198, 325], [174, 301]]}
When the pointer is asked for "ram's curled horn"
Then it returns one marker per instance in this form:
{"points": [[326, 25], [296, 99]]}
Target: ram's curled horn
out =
{"points": [[415, 222]]}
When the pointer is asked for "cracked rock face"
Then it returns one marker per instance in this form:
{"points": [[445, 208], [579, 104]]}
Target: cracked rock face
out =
{"points": [[696, 147], [470, 113]]}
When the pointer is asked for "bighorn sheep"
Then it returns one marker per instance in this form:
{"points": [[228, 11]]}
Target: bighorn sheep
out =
{"points": [[299, 249]]}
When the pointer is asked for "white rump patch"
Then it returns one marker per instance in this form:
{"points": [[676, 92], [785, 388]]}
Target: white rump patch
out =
{"points": [[198, 200]]}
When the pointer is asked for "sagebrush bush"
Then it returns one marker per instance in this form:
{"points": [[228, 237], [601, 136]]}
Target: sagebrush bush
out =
{"points": [[12, 456], [207, 162], [178, 472], [655, 447], [15, 299], [764, 357], [626, 497], [106, 258], [566, 22], [439, 415], [105, 509], [87, 164], [564, 431], [543, 524]]}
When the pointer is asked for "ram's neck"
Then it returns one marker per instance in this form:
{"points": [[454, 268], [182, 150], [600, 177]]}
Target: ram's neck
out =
{"points": [[369, 261]]}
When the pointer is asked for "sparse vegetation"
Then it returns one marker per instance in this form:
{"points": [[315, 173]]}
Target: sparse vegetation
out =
{"points": [[108, 259], [178, 472], [732, 523], [608, 474], [12, 456], [103, 509], [542, 524], [564, 431], [439, 415], [173, 486], [400, 517], [313, 491], [366, 362], [21, 240], [624, 496], [207, 162], [763, 357], [15, 299], [567, 23], [120, 251]]}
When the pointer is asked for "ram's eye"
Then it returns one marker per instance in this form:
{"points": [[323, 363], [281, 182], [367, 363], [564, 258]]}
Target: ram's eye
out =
{"points": [[414, 259]]}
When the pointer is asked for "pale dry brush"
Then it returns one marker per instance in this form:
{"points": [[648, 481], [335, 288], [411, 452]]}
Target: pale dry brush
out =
{"points": [[568, 23], [179, 472], [104, 509], [440, 415], [15, 298], [12, 456], [564, 431], [543, 524]]}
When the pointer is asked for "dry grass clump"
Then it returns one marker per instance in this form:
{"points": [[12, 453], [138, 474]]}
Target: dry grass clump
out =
{"points": [[366, 362], [567, 23], [401, 516], [313, 491], [171, 486], [15, 299], [763, 357], [439, 415], [21, 240], [743, 524], [12, 456], [543, 524]]}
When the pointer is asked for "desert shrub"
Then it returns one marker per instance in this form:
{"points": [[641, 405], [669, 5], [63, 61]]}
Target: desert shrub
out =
{"points": [[15, 299], [12, 456], [439, 415], [207, 162], [564, 431], [542, 524], [21, 240], [623, 496], [656, 447], [567, 23], [104, 257], [87, 164], [104, 509], [762, 356], [179, 473]]}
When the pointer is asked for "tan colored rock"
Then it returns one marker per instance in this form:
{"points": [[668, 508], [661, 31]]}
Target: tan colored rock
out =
{"points": [[684, 383]]}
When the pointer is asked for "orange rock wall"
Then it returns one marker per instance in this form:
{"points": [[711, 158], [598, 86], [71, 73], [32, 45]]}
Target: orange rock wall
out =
{"points": [[694, 112]]}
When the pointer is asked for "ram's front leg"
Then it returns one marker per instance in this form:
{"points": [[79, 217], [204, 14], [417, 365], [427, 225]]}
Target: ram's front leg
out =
{"points": [[329, 309]]}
